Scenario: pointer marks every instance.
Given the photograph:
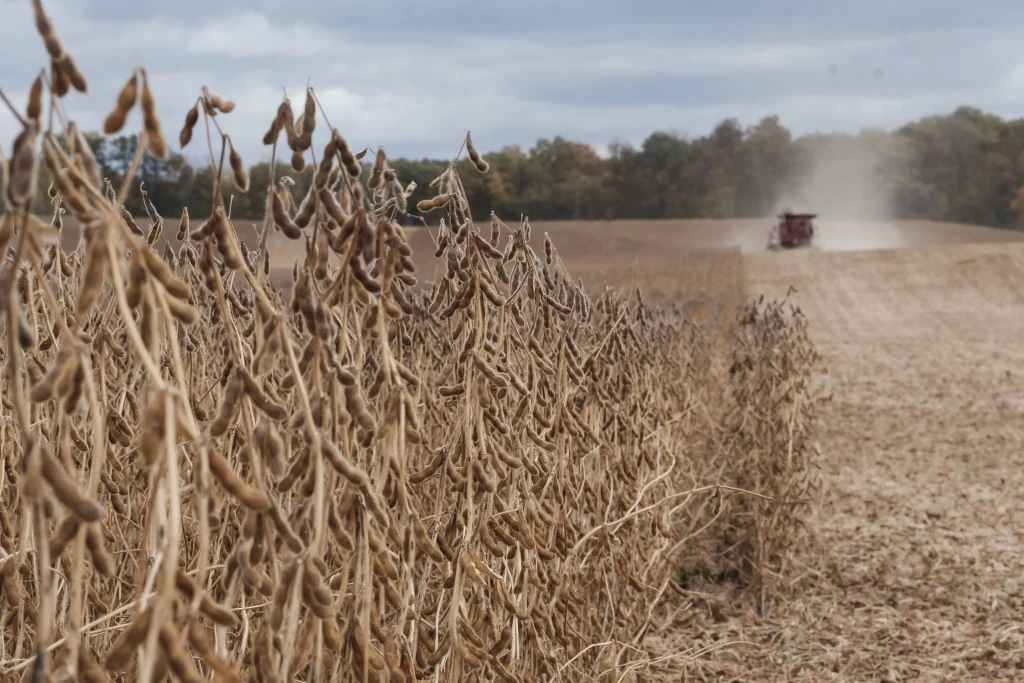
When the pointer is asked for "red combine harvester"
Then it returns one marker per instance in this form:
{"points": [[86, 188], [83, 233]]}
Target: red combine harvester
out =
{"points": [[793, 230]]}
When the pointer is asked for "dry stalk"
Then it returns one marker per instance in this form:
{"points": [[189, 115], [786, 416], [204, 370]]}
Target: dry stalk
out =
{"points": [[492, 477]]}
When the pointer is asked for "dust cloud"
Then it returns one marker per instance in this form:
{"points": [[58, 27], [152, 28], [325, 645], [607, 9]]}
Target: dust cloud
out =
{"points": [[842, 179]]}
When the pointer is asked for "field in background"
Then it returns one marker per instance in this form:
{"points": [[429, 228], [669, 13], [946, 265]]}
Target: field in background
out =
{"points": [[921, 526], [600, 251], [667, 257]]}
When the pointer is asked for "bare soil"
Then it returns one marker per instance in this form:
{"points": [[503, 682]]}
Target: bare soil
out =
{"points": [[922, 523], [918, 574]]}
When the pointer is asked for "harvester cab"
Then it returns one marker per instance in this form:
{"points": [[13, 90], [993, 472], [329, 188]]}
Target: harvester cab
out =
{"points": [[792, 231]]}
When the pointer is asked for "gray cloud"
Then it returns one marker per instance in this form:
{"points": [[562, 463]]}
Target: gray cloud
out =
{"points": [[414, 76]]}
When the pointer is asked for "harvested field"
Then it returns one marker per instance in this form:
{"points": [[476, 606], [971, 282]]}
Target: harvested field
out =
{"points": [[668, 256], [631, 239], [920, 526]]}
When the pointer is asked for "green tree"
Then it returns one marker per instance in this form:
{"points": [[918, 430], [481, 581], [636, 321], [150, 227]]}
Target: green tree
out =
{"points": [[766, 161]]}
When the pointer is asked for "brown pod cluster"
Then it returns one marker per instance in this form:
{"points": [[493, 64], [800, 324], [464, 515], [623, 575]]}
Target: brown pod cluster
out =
{"points": [[349, 160], [252, 498], [155, 219], [52, 41], [226, 239], [183, 225], [130, 222], [151, 121], [283, 120], [120, 655], [66, 489], [34, 110], [306, 124], [191, 119], [377, 172], [240, 175], [474, 156], [126, 99], [438, 202], [60, 83], [214, 103], [281, 218], [65, 532], [23, 167]]}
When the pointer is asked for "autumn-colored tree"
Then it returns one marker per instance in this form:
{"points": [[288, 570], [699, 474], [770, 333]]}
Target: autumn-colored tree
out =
{"points": [[967, 166]]}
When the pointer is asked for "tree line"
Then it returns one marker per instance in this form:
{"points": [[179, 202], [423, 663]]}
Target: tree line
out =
{"points": [[967, 166]]}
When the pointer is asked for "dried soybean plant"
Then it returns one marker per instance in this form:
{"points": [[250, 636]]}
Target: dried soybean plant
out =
{"points": [[373, 480], [764, 444]]}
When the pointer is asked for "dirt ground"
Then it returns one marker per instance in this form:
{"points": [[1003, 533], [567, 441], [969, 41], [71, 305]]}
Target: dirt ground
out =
{"points": [[921, 525]]}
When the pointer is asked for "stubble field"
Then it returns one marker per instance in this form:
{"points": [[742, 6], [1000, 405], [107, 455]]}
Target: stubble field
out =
{"points": [[921, 526]]}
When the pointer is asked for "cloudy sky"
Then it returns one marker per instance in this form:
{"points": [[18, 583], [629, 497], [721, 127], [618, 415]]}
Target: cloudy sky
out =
{"points": [[413, 75]]}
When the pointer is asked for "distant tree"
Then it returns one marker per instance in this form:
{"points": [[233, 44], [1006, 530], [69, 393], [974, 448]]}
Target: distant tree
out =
{"points": [[967, 166], [766, 161], [662, 160], [626, 189], [1017, 206]]}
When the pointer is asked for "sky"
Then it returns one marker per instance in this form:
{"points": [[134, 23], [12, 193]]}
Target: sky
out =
{"points": [[414, 75]]}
